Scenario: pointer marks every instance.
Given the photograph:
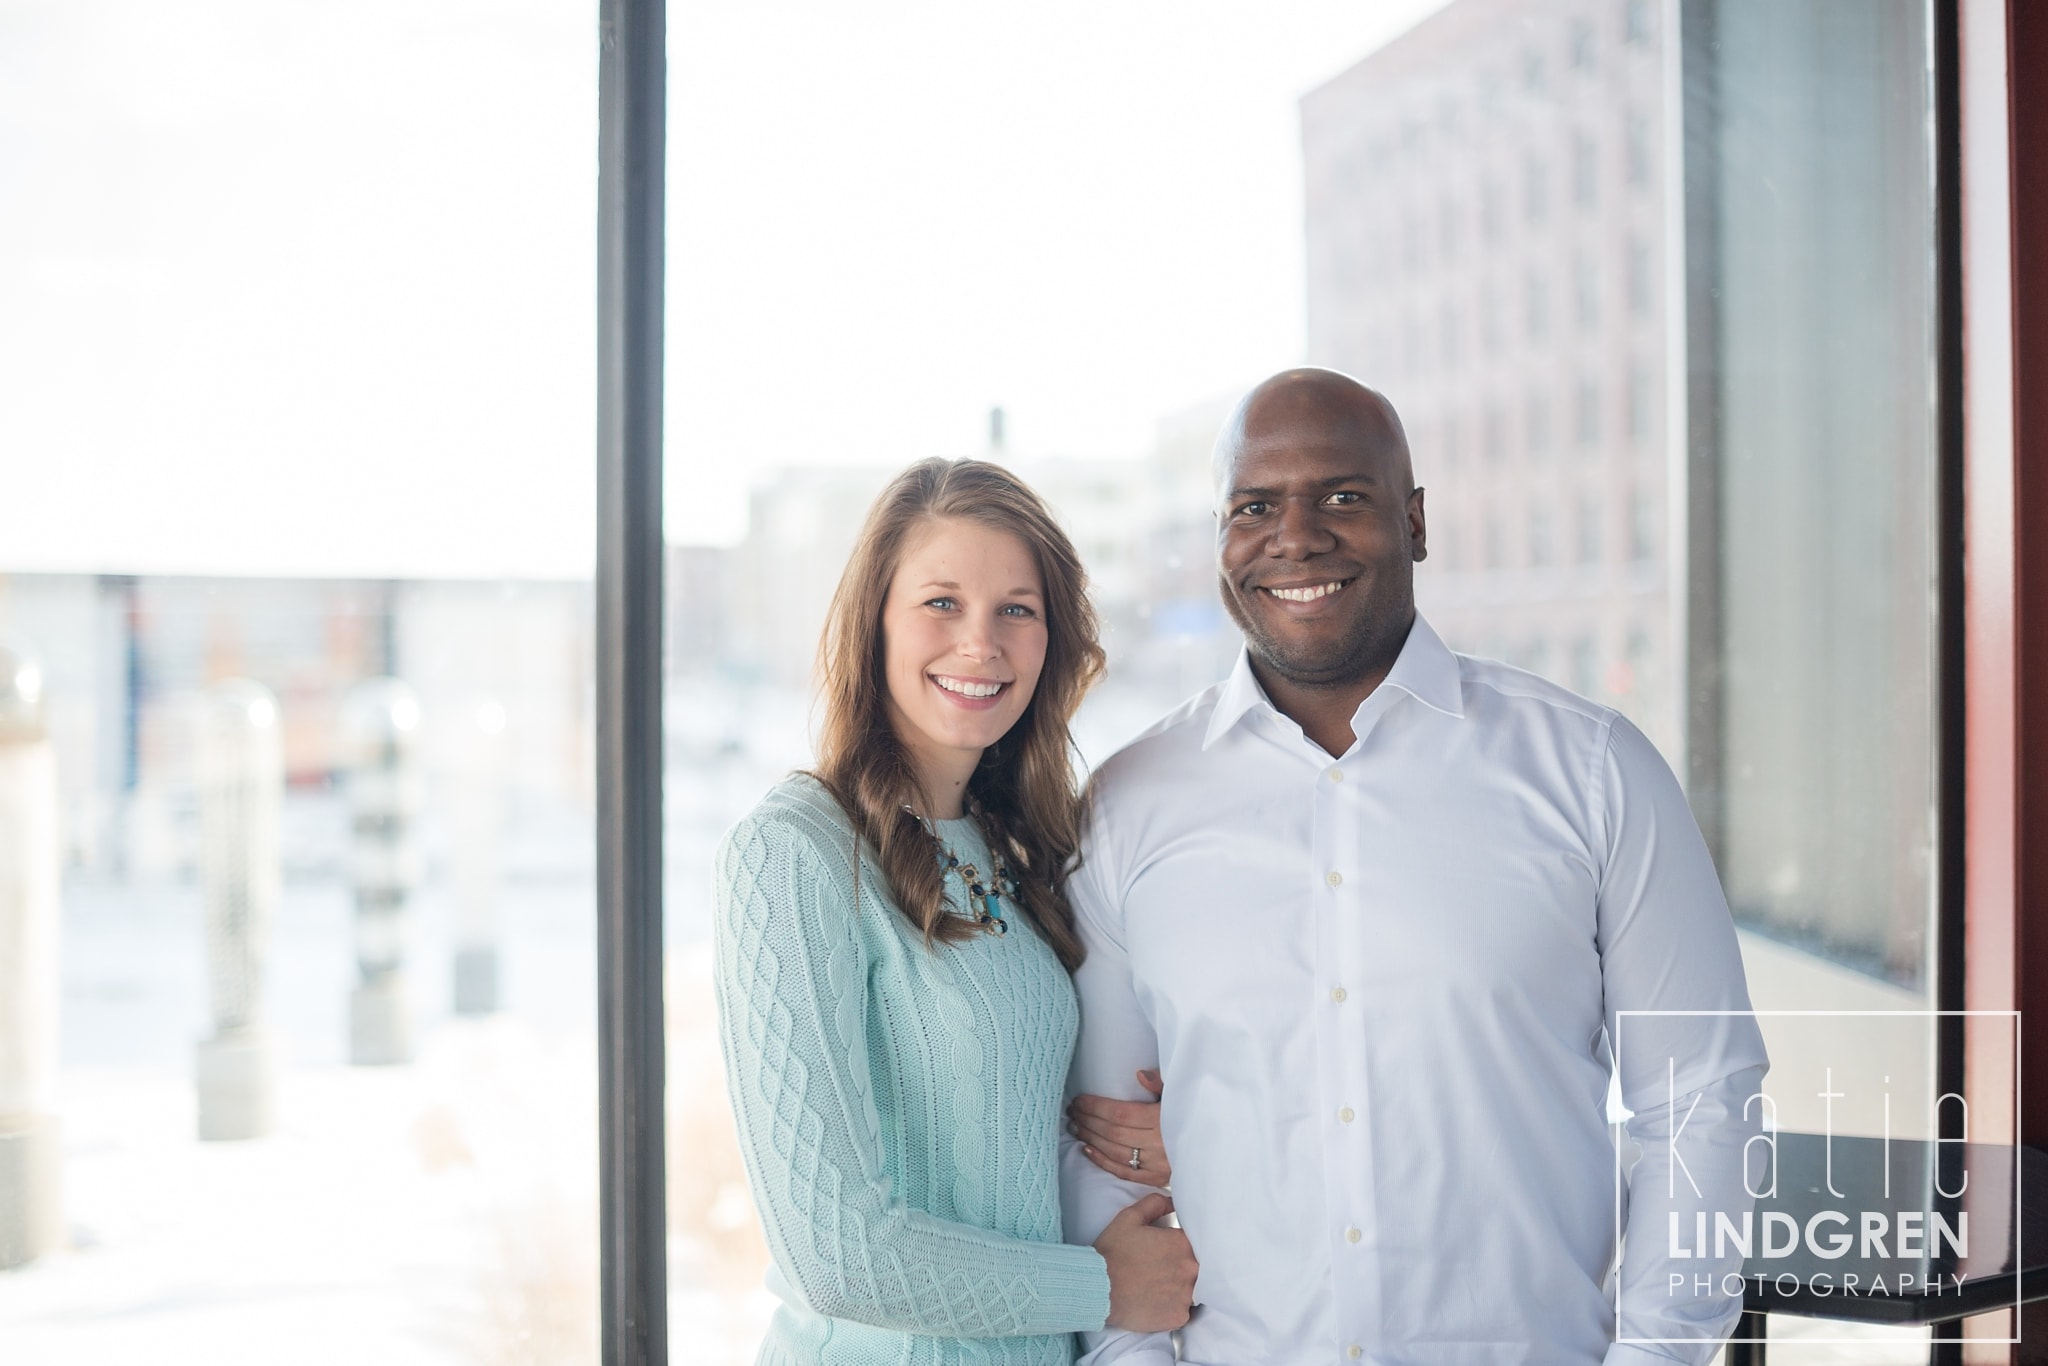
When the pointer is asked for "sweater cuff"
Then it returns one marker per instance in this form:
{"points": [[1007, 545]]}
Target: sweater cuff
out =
{"points": [[1073, 1289]]}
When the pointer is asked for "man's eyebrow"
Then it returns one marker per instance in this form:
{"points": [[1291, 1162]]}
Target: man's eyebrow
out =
{"points": [[1334, 481]]}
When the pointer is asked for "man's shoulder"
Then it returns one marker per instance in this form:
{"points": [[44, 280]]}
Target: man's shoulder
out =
{"points": [[1501, 692], [1158, 752]]}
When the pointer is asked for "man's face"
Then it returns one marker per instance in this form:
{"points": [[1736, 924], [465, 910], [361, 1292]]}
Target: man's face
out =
{"points": [[1317, 535]]}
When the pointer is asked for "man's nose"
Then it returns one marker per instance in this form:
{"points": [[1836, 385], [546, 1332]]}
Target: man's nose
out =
{"points": [[1299, 532]]}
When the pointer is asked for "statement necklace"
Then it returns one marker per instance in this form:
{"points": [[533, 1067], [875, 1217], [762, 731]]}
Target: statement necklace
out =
{"points": [[984, 899]]}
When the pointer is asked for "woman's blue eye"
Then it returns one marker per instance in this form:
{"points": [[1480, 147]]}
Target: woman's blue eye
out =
{"points": [[943, 604], [1019, 609]]}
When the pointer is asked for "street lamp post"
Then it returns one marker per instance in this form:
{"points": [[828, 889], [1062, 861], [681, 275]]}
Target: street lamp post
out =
{"points": [[31, 1219], [380, 732], [241, 789]]}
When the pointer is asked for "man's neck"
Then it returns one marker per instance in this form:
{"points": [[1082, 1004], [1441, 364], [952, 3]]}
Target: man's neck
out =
{"points": [[1323, 712]]}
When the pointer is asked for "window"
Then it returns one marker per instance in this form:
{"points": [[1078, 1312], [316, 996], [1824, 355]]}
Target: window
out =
{"points": [[1589, 528], [1585, 670], [1582, 46], [1585, 170], [1533, 79], [1449, 336], [1639, 407], [1537, 425], [1636, 149], [1490, 331], [1635, 22], [1535, 189], [1636, 265], [1536, 307], [1447, 229], [1586, 292], [1448, 450], [1587, 426], [1645, 526], [1541, 551], [1490, 210], [1496, 439]]}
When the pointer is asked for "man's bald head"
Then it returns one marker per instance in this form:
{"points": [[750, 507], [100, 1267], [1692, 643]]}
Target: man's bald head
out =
{"points": [[1318, 528], [1328, 403]]}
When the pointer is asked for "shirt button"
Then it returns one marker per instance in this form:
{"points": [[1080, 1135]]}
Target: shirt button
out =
{"points": [[1347, 1114], [1354, 1351], [1352, 1235], [1334, 878], [1336, 774], [1337, 994]]}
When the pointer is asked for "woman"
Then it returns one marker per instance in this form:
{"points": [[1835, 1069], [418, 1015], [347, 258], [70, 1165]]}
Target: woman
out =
{"points": [[893, 958]]}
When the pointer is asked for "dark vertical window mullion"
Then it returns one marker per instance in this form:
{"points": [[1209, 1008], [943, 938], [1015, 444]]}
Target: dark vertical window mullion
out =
{"points": [[632, 114]]}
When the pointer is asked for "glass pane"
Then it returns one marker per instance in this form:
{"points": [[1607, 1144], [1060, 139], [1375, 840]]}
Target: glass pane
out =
{"points": [[296, 818], [1811, 335]]}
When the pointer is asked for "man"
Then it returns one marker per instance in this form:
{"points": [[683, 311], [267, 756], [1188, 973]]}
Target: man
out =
{"points": [[1374, 910]]}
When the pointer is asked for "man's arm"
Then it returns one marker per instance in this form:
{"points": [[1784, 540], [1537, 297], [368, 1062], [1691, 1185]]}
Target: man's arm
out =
{"points": [[1116, 1041], [1687, 1051], [1691, 1164]]}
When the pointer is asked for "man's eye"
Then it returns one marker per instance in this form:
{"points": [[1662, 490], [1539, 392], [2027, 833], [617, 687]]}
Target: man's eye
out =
{"points": [[1252, 510], [1345, 497]]}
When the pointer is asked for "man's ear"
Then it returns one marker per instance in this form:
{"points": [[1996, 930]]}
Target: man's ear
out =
{"points": [[1418, 528]]}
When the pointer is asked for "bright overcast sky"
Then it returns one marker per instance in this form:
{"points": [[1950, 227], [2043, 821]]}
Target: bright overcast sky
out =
{"points": [[305, 287]]}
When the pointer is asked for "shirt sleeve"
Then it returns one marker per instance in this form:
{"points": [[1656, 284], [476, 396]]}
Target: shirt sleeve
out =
{"points": [[792, 982], [1116, 1041], [1680, 1308], [1687, 1051], [1676, 1002]]}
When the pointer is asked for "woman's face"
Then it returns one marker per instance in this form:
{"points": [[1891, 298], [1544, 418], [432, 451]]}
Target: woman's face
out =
{"points": [[963, 635]]}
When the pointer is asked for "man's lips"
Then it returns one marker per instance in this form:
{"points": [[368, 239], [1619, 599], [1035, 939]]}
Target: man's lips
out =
{"points": [[1306, 592]]}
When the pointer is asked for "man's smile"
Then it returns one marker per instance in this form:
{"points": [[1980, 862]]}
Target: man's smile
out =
{"points": [[1314, 591]]}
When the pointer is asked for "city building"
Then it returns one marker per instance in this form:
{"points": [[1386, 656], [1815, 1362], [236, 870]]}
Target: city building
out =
{"points": [[1487, 240]]}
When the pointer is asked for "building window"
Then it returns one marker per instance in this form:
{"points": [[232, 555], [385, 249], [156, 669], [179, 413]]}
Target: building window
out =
{"points": [[1585, 666], [1644, 527], [1496, 542], [1582, 46], [1585, 167], [1447, 444], [1537, 425], [1535, 190], [1489, 209], [1636, 266], [1586, 292], [1411, 241], [1536, 307], [1540, 552], [1639, 403], [1534, 80], [1447, 229], [1496, 438], [1490, 332], [1635, 22], [1449, 337], [1587, 426], [1636, 148], [1414, 347], [1589, 528]]}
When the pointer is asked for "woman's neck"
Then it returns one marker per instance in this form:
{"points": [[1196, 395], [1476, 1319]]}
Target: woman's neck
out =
{"points": [[942, 783]]}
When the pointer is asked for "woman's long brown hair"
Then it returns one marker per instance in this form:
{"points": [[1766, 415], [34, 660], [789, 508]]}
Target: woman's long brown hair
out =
{"points": [[1024, 789]]}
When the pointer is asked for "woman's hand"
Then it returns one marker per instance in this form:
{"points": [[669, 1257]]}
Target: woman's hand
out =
{"points": [[1151, 1270], [1110, 1129]]}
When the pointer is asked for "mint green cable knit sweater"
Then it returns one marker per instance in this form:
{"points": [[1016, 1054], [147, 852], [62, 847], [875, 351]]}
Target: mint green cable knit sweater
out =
{"points": [[899, 1107]]}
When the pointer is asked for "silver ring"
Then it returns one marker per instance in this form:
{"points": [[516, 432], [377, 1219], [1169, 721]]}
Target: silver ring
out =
{"points": [[1135, 1163]]}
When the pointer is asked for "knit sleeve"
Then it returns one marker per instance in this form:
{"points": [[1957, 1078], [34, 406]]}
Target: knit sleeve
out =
{"points": [[792, 998]]}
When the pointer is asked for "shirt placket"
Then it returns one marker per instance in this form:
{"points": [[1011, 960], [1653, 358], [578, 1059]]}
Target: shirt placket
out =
{"points": [[1351, 1206]]}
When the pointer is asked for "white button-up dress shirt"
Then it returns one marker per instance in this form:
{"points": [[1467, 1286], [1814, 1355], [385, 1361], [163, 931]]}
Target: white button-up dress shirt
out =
{"points": [[1382, 989]]}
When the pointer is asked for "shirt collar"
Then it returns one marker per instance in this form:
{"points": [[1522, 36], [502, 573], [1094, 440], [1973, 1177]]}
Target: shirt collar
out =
{"points": [[1425, 669]]}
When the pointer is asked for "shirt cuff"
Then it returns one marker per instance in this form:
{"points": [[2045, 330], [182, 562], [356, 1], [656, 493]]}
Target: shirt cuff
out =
{"points": [[1132, 1350], [1629, 1354]]}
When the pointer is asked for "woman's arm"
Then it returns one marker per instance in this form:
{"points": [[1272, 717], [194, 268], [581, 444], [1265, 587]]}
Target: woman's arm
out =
{"points": [[792, 989]]}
